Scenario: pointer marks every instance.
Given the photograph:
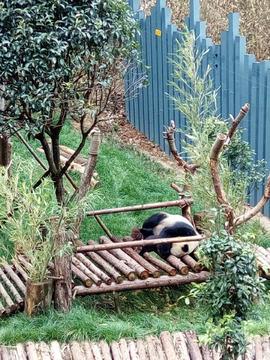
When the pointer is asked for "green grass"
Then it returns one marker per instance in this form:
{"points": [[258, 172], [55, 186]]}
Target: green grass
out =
{"points": [[127, 178]]}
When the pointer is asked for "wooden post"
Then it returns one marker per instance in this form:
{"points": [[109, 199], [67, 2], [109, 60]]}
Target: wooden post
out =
{"points": [[63, 274]]}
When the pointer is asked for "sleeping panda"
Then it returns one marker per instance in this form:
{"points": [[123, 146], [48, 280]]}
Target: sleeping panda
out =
{"points": [[162, 225]]}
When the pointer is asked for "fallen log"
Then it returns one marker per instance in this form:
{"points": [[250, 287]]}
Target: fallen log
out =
{"points": [[132, 253], [81, 276], [132, 351], [11, 306], [130, 244], [96, 352], [193, 346], [141, 348], [266, 347], [159, 350], [124, 349], [116, 354], [187, 259], [31, 351], [120, 265], [105, 349], [178, 264], [146, 284], [79, 265], [167, 344], [206, 353], [44, 351], [56, 350], [76, 351], [151, 348], [12, 289], [87, 350], [21, 353], [2, 309], [258, 348], [107, 267], [94, 268], [14, 277], [19, 269], [159, 263], [121, 255], [180, 346], [164, 204]]}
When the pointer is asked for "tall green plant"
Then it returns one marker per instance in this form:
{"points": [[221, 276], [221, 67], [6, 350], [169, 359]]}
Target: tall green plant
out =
{"points": [[24, 219], [229, 292], [196, 99]]}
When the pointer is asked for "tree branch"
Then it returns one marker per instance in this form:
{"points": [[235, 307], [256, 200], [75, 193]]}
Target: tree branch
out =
{"points": [[170, 137], [221, 195], [245, 217], [235, 122]]}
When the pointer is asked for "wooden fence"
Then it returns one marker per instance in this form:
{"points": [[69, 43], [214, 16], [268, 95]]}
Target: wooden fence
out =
{"points": [[239, 78]]}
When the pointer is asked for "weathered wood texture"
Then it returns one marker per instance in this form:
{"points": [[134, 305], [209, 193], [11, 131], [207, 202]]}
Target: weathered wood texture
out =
{"points": [[100, 274], [176, 346]]}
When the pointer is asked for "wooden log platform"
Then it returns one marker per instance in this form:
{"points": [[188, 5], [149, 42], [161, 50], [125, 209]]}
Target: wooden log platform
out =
{"points": [[95, 273], [175, 346]]}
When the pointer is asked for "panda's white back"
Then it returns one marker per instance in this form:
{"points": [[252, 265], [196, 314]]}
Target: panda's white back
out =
{"points": [[170, 220]]}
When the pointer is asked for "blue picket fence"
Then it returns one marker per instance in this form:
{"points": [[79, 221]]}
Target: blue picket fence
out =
{"points": [[239, 78]]}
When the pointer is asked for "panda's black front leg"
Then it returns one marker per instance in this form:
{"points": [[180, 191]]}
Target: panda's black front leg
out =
{"points": [[148, 248], [164, 250]]}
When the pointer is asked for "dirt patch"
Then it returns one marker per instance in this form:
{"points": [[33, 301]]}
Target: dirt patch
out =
{"points": [[120, 129]]}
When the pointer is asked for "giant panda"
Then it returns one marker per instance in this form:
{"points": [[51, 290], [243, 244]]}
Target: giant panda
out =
{"points": [[163, 225]]}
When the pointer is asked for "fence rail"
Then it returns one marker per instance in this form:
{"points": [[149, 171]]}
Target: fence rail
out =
{"points": [[239, 78]]}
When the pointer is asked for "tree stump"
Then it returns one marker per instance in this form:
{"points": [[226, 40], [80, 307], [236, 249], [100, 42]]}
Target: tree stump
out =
{"points": [[38, 296]]}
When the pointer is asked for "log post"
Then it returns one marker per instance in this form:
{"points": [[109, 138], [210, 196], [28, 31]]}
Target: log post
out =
{"points": [[221, 195], [63, 274]]}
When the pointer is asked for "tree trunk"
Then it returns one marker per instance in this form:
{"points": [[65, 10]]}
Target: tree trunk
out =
{"points": [[63, 274]]}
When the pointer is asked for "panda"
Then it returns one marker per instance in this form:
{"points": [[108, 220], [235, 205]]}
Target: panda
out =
{"points": [[163, 225]]}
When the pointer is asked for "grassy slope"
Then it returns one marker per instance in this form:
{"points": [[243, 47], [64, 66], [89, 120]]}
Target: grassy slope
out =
{"points": [[127, 178]]}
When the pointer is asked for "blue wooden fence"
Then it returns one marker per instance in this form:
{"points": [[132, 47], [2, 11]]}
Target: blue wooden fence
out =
{"points": [[239, 78]]}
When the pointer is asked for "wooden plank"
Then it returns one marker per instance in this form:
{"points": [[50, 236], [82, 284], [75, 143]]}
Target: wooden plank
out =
{"points": [[261, 129], [254, 123], [149, 56], [177, 115], [266, 209], [194, 13], [166, 20], [8, 269], [171, 29], [56, 350], [160, 4], [155, 71], [224, 75], [232, 33], [143, 108], [240, 50], [246, 123], [217, 75], [146, 284]]}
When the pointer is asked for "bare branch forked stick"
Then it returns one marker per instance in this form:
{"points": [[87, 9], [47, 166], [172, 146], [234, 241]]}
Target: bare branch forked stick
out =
{"points": [[245, 217], [169, 135], [221, 195], [235, 122]]}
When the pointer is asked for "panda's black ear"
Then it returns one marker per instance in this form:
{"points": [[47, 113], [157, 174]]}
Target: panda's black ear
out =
{"points": [[185, 248]]}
